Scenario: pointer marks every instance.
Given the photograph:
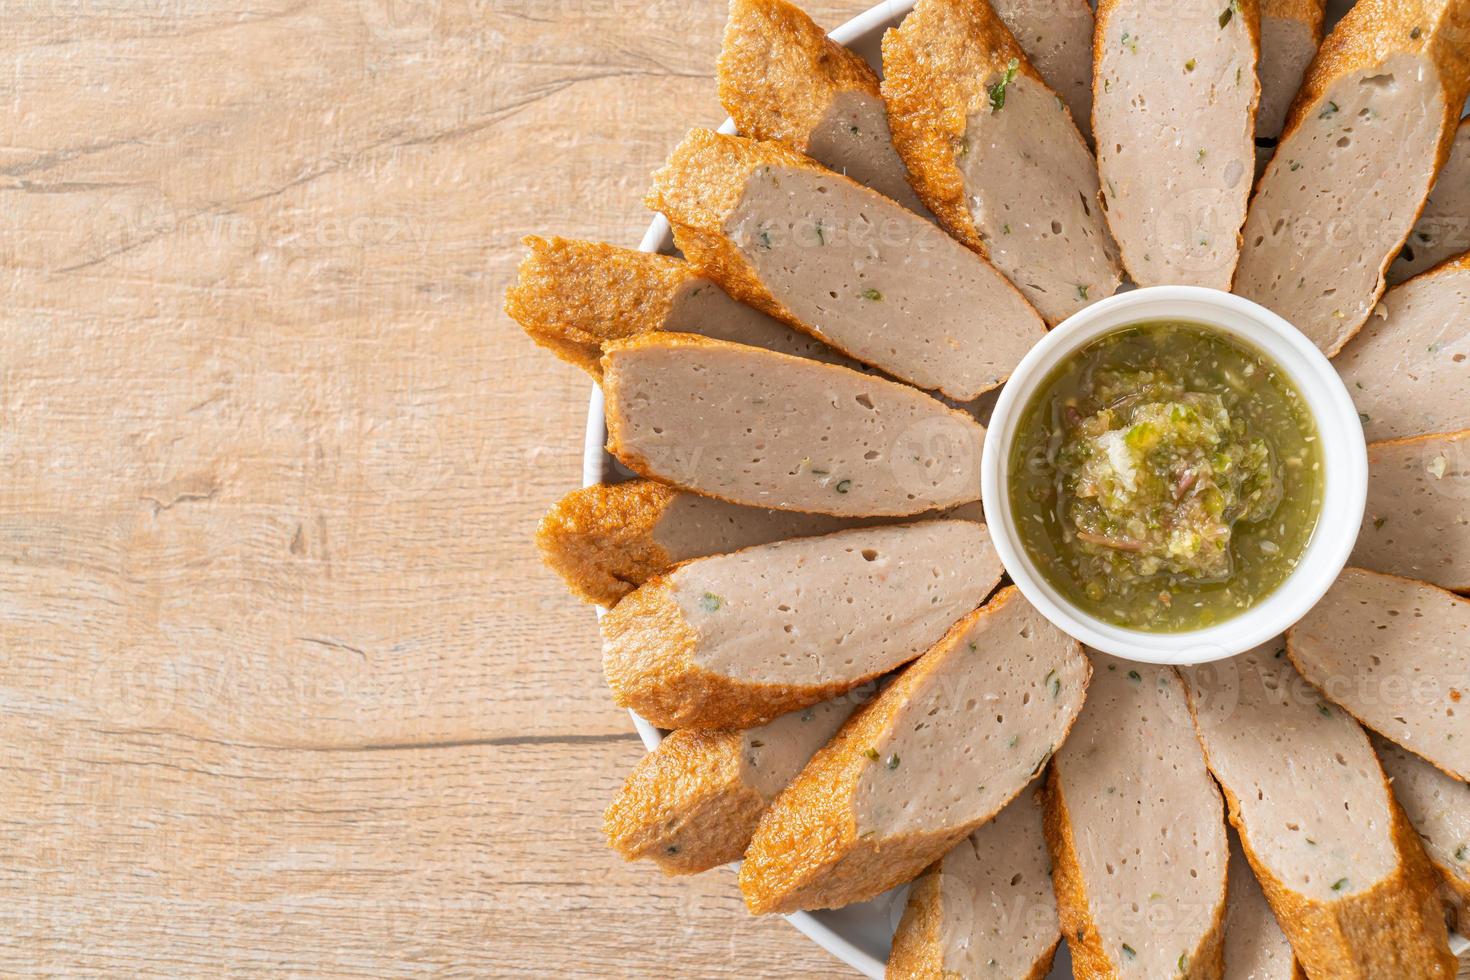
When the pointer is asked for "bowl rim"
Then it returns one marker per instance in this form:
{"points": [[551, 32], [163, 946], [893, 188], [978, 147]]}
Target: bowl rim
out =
{"points": [[1340, 435]]}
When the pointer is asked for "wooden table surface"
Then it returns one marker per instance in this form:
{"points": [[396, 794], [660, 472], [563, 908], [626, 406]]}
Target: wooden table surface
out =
{"points": [[286, 690]]}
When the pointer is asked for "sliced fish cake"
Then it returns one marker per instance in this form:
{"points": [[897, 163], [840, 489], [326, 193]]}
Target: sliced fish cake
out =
{"points": [[1134, 823], [996, 156], [736, 640], [985, 909], [1255, 946], [607, 539], [1057, 38], [1174, 113], [1438, 805], [767, 430], [781, 78], [826, 255], [1391, 651], [574, 297], [692, 803], [1417, 522], [1335, 856], [1443, 229], [1409, 369], [1362, 145], [940, 752], [1291, 32]]}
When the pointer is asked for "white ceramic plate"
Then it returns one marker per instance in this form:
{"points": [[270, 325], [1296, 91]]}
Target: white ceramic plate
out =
{"points": [[859, 935]]}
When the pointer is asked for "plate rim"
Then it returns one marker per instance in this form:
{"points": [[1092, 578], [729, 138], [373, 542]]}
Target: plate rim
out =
{"points": [[596, 462]]}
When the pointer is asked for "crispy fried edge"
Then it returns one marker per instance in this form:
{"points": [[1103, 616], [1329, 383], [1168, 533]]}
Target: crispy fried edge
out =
{"points": [[1453, 890], [1089, 959], [573, 296], [1250, 13], [648, 658], [1372, 31], [599, 539], [1457, 263], [918, 944], [934, 68], [1375, 447], [806, 853], [1291, 654], [702, 184], [686, 794], [618, 446], [1328, 939], [1322, 935], [699, 187], [1313, 13], [779, 72], [916, 952], [1089, 956]]}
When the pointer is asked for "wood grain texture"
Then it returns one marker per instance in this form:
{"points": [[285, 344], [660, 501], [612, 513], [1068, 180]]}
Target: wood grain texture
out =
{"points": [[286, 689]]}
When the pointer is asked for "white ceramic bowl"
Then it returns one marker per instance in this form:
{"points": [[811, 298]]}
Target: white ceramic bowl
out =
{"points": [[1340, 435]]}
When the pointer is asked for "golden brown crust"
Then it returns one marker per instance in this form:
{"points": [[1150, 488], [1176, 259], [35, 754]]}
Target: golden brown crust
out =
{"points": [[935, 68], [685, 805], [704, 179], [648, 657], [1459, 263], [599, 539], [572, 297], [698, 189], [1375, 30], [1413, 440], [1089, 959], [778, 72], [1089, 954], [918, 951], [1394, 929], [918, 944], [1348, 938], [701, 186], [1313, 13], [1371, 32], [807, 852]]}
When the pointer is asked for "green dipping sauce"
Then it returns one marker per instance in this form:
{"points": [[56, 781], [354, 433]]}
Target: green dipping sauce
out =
{"points": [[1166, 477]]}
